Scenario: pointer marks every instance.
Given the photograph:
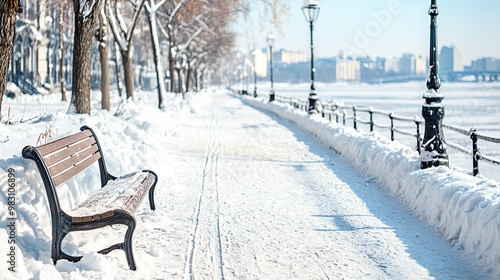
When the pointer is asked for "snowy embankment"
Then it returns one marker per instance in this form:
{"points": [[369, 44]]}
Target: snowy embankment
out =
{"points": [[464, 209], [126, 136]]}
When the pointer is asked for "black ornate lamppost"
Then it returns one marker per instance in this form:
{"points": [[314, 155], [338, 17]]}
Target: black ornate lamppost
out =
{"points": [[311, 12], [434, 145], [270, 43]]}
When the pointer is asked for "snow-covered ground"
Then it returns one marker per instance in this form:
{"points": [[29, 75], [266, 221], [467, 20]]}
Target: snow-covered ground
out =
{"points": [[247, 192]]}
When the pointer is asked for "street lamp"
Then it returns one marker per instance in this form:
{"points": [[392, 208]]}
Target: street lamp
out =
{"points": [[254, 73], [311, 12], [245, 78], [270, 43], [434, 153]]}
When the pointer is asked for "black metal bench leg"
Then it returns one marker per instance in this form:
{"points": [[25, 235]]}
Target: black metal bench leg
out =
{"points": [[151, 197], [124, 219], [152, 190], [128, 243], [57, 253]]}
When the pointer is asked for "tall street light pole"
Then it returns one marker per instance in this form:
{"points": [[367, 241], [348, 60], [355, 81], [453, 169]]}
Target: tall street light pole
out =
{"points": [[270, 43], [311, 11], [254, 73], [434, 153]]}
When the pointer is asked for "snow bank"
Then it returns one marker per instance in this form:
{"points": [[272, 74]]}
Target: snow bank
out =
{"points": [[125, 136], [464, 209]]}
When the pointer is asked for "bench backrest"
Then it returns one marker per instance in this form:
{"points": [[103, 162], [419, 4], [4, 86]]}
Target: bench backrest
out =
{"points": [[66, 157], [63, 158]]}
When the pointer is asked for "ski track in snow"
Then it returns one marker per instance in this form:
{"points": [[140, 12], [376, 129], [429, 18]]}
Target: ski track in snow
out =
{"points": [[204, 248]]}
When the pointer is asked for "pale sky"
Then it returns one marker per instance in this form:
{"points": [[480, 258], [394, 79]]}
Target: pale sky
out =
{"points": [[385, 28]]}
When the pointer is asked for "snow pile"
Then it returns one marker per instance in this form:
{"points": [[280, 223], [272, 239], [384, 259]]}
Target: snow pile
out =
{"points": [[465, 209], [125, 137]]}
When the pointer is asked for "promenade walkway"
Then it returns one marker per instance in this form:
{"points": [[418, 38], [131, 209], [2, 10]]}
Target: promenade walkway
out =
{"points": [[261, 199], [243, 194]]}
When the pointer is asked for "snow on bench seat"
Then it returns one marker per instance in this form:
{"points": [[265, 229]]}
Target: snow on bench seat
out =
{"points": [[124, 193]]}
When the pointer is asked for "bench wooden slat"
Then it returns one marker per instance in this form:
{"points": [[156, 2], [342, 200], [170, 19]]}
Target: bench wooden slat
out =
{"points": [[63, 142], [64, 153], [73, 160], [135, 199], [60, 178], [92, 217]]}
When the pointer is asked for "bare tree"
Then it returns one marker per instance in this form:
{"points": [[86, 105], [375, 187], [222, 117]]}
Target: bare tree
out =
{"points": [[8, 11], [124, 38], [86, 14], [102, 38], [151, 8], [63, 7], [169, 16]]}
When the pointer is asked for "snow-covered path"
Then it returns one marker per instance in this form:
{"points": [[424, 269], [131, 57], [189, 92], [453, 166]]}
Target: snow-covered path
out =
{"points": [[263, 200]]}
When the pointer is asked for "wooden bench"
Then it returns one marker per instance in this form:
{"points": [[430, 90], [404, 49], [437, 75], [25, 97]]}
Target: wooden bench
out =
{"points": [[115, 203]]}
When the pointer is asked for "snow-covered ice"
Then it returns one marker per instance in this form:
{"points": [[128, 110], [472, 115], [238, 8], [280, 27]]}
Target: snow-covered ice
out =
{"points": [[251, 190]]}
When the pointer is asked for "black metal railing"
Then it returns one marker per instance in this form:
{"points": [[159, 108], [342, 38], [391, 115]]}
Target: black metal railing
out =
{"points": [[341, 113]]}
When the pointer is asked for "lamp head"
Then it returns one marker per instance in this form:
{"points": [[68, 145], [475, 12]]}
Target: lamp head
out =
{"points": [[270, 40], [311, 10]]}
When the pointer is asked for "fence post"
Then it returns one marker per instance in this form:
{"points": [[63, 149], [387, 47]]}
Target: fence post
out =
{"points": [[419, 144], [371, 118], [475, 152], [392, 125], [354, 117]]}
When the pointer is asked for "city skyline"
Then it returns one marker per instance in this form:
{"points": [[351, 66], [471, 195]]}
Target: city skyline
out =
{"points": [[383, 28]]}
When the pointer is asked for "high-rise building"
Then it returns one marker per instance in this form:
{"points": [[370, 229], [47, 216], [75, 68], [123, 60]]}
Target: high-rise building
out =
{"points": [[347, 69], [485, 64], [391, 65], [289, 56], [420, 65], [450, 59], [260, 63], [410, 64]]}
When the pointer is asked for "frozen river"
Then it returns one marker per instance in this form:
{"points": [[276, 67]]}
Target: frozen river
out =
{"points": [[466, 104]]}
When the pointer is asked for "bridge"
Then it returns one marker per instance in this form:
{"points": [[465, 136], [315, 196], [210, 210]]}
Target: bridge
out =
{"points": [[451, 76], [480, 76]]}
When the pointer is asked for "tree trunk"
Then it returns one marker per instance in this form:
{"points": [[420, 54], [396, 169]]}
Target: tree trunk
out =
{"points": [[105, 101], [196, 77], [181, 83], [128, 72], [171, 68], [188, 75], [119, 83], [82, 54], [201, 80], [160, 79], [62, 28], [103, 54], [61, 73], [8, 11]]}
